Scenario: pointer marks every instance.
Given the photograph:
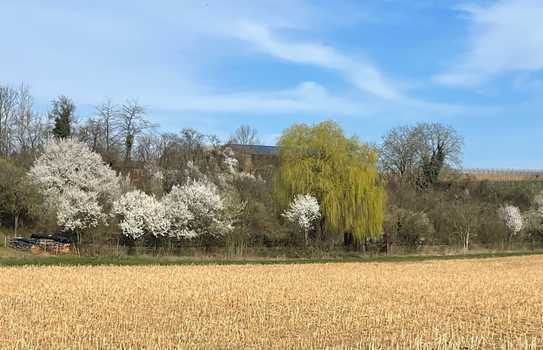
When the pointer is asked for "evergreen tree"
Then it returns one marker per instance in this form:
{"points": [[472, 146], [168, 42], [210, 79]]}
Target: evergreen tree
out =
{"points": [[62, 114]]}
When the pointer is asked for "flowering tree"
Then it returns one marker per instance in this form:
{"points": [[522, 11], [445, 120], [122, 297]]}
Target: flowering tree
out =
{"points": [[204, 202], [230, 162], [195, 209], [141, 214], [71, 163], [76, 183], [340, 171], [77, 209], [178, 213], [303, 211], [512, 219]]}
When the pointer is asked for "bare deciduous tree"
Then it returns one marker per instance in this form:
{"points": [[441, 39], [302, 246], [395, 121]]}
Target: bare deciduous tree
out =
{"points": [[30, 128], [398, 154], [418, 154], [22, 130], [8, 108], [245, 135], [439, 146], [132, 123], [192, 144], [108, 116], [464, 218], [148, 149], [91, 133]]}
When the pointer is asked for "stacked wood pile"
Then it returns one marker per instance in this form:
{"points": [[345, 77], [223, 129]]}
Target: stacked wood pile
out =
{"points": [[42, 244]]}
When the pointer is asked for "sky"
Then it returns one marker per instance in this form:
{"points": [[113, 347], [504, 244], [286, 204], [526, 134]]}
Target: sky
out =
{"points": [[368, 65]]}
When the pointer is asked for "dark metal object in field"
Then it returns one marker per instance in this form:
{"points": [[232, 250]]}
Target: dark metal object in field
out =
{"points": [[56, 238], [40, 244]]}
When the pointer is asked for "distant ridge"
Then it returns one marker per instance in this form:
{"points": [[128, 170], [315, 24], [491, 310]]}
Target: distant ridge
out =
{"points": [[255, 149], [479, 174], [504, 174]]}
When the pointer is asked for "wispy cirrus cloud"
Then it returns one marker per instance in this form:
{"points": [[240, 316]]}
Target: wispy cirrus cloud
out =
{"points": [[307, 97], [159, 53], [362, 74], [506, 36], [311, 98]]}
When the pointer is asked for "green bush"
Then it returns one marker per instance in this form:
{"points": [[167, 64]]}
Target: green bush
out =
{"points": [[407, 227]]}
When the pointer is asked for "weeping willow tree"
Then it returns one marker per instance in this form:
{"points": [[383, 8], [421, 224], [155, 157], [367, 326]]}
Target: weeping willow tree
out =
{"points": [[340, 172]]}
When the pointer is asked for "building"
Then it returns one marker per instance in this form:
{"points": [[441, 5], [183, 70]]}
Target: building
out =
{"points": [[256, 159]]}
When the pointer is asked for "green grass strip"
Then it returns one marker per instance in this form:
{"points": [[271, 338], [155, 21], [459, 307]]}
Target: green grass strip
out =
{"points": [[172, 261]]}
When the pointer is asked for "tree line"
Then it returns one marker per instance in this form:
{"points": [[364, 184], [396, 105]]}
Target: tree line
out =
{"points": [[112, 179]]}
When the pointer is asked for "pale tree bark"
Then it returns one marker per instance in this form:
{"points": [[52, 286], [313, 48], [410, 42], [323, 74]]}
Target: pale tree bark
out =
{"points": [[91, 133], [418, 154], [132, 123], [464, 218], [8, 109], [15, 223], [30, 128], [108, 115], [245, 135]]}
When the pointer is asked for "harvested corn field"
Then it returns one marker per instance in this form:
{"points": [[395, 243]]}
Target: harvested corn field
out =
{"points": [[471, 304]]}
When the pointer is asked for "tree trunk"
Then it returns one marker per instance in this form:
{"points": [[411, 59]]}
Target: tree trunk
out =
{"points": [[79, 242], [322, 226], [347, 239], [156, 245], [385, 239], [16, 224], [131, 243], [511, 240]]}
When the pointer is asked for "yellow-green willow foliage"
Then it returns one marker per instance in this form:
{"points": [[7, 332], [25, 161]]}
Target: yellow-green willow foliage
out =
{"points": [[339, 171]]}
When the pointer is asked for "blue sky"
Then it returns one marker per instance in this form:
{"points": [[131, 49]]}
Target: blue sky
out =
{"points": [[369, 65]]}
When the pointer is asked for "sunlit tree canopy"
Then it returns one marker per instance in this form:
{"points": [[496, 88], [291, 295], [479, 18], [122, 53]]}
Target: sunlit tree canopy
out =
{"points": [[340, 172]]}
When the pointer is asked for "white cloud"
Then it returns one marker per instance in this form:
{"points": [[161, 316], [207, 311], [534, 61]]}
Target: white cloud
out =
{"points": [[361, 74], [306, 98], [506, 36], [133, 49], [162, 56], [309, 99]]}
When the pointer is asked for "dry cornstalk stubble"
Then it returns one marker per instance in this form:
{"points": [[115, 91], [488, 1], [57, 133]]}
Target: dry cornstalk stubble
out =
{"points": [[469, 304]]}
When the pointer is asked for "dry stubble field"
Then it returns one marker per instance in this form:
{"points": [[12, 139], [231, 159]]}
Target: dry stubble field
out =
{"points": [[457, 304]]}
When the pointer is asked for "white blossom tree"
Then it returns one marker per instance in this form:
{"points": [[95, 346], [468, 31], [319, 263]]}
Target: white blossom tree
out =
{"points": [[195, 209], [141, 214], [69, 163], [178, 213], [207, 207], [512, 219], [304, 212], [77, 209], [76, 183], [230, 162]]}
